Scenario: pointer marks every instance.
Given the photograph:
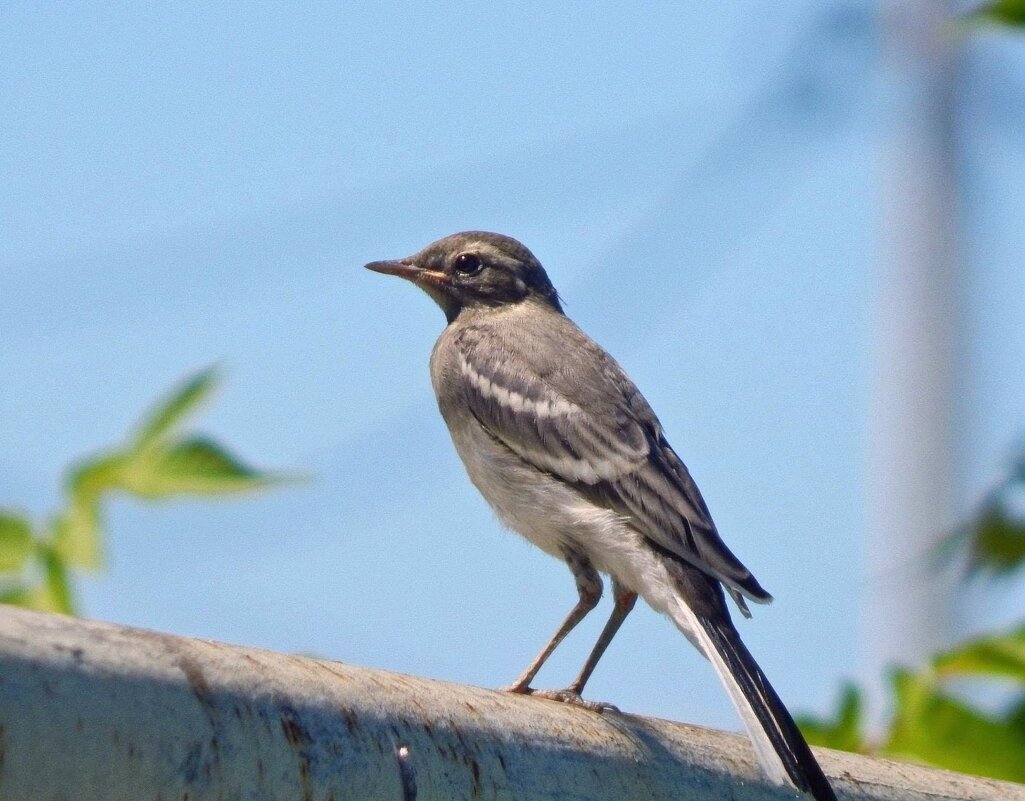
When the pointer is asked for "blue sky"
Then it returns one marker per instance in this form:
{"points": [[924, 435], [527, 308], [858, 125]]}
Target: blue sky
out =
{"points": [[191, 185]]}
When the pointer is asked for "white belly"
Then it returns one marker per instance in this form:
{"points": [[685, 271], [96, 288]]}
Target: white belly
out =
{"points": [[553, 516]]}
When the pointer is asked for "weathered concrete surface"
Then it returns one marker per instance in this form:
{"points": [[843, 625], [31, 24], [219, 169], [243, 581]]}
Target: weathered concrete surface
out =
{"points": [[96, 712]]}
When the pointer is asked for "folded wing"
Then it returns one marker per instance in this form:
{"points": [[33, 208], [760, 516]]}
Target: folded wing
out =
{"points": [[579, 417]]}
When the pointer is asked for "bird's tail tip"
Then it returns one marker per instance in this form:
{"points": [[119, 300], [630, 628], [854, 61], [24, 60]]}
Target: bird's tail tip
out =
{"points": [[781, 749]]}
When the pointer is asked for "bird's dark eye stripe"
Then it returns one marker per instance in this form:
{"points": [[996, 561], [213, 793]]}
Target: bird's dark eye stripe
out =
{"points": [[468, 263]]}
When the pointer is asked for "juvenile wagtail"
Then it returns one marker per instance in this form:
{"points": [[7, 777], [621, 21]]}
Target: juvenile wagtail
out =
{"points": [[569, 454]]}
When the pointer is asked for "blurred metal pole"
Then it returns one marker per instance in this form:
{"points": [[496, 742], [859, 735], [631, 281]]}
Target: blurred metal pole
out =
{"points": [[911, 486]]}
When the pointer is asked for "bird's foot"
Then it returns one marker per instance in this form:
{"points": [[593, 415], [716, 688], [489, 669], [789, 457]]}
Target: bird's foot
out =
{"points": [[567, 696], [574, 698]]}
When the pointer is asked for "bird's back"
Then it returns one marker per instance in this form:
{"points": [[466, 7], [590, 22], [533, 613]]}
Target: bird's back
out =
{"points": [[556, 400]]}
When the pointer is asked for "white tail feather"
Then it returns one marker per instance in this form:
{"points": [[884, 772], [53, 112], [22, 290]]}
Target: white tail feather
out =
{"points": [[770, 761]]}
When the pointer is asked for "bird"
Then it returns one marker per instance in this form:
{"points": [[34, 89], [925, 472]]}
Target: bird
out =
{"points": [[569, 454]]}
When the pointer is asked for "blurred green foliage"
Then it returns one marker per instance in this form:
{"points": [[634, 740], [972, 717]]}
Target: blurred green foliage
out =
{"points": [[1007, 12], [996, 542], [931, 722], [159, 461]]}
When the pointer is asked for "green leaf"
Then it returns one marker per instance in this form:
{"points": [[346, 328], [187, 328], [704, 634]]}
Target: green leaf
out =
{"points": [[844, 731], [77, 530], [998, 654], [1016, 716], [15, 596], [56, 590], [175, 407], [1009, 12], [998, 541], [931, 726], [90, 479], [77, 534], [15, 541], [53, 594], [41, 598], [196, 466]]}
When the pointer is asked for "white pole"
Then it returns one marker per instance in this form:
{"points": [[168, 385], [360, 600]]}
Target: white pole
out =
{"points": [[911, 486]]}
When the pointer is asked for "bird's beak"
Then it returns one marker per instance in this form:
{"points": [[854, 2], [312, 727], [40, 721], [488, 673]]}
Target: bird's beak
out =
{"points": [[405, 268]]}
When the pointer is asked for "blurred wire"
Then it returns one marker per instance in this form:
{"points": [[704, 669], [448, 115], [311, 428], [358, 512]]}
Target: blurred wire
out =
{"points": [[820, 86]]}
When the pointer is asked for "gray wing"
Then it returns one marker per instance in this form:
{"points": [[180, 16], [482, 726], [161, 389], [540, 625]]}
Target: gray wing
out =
{"points": [[563, 404]]}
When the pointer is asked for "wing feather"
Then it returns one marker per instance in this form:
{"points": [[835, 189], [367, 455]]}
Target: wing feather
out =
{"points": [[580, 418]]}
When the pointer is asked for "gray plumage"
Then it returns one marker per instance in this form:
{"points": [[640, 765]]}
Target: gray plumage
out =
{"points": [[568, 452], [563, 405]]}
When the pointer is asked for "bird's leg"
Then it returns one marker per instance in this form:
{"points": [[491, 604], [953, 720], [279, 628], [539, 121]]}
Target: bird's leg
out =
{"points": [[625, 600], [589, 589]]}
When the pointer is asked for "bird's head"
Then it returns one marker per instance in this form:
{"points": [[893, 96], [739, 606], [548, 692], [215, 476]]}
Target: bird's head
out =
{"points": [[475, 270]]}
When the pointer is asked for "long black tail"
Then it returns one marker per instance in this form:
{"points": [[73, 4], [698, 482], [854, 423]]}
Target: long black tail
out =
{"points": [[765, 710], [701, 613]]}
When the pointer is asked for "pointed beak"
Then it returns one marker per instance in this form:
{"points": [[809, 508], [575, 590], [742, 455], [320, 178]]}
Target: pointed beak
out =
{"points": [[403, 269], [406, 268]]}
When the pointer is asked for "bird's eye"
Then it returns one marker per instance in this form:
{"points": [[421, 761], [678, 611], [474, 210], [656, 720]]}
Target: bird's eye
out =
{"points": [[468, 264]]}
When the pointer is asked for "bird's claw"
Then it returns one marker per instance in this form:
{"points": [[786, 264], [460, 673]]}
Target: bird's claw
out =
{"points": [[566, 696]]}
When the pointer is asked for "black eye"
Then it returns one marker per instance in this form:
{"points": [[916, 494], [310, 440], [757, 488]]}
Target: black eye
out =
{"points": [[468, 264]]}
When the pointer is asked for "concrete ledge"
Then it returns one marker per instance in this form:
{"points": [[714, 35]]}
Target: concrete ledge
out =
{"points": [[97, 712]]}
